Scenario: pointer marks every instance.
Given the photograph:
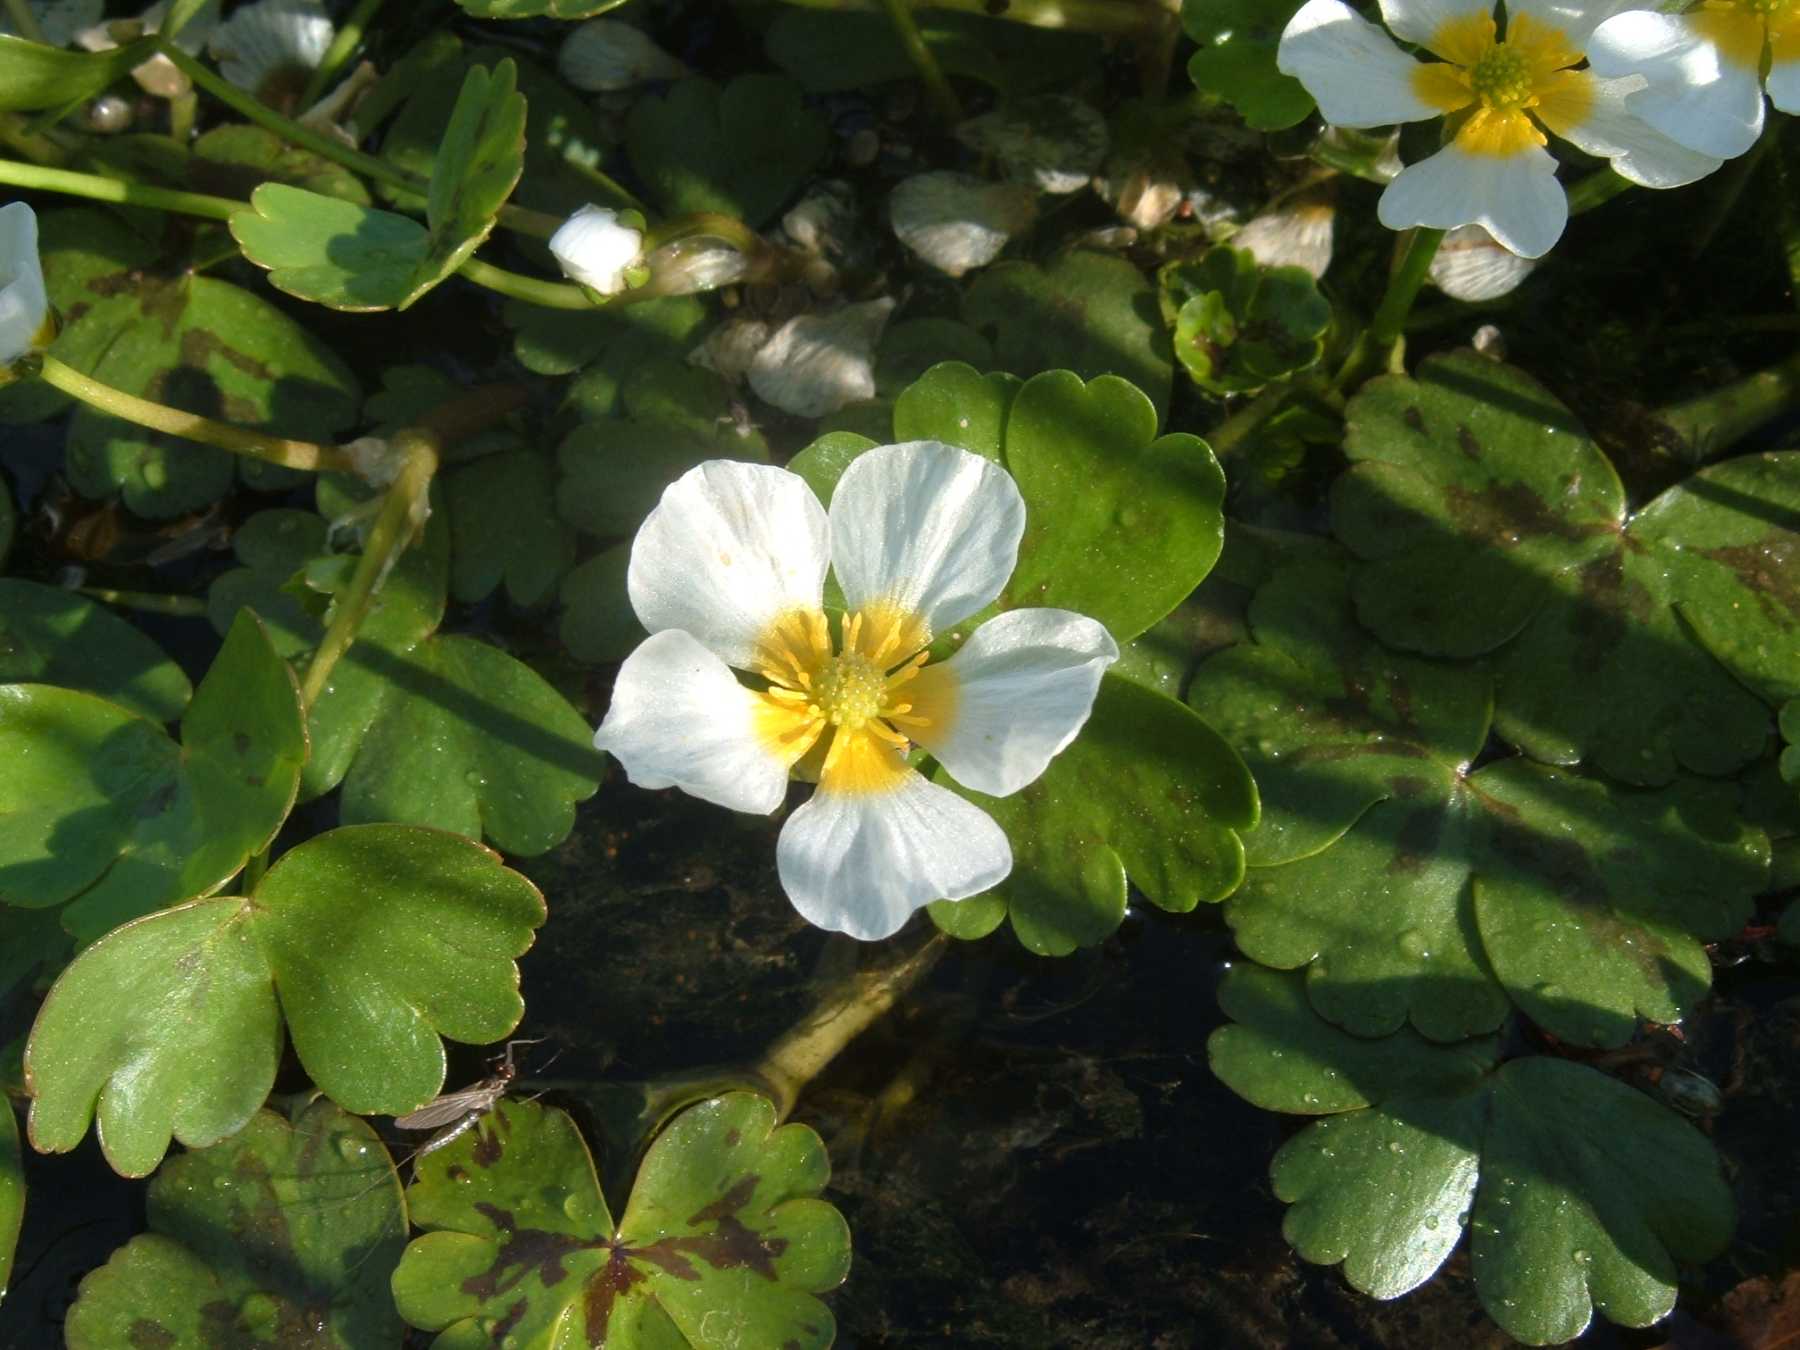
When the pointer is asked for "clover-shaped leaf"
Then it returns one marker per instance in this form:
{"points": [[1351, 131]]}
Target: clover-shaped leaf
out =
{"points": [[1408, 886], [598, 622], [378, 940], [1481, 509], [503, 528], [235, 159], [1240, 325], [1120, 524], [723, 1236], [103, 810], [1092, 313], [741, 151], [197, 344], [277, 1228], [1236, 59], [417, 726], [52, 636], [1579, 1193], [333, 252], [1146, 791]]}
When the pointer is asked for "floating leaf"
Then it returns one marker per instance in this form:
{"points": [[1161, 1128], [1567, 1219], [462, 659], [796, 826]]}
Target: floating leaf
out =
{"points": [[1240, 325], [102, 809], [1092, 313], [503, 528], [609, 341], [741, 151], [1481, 510], [1236, 60], [1147, 790], [378, 940], [1580, 1192], [52, 636], [277, 1228], [234, 160], [1415, 890], [332, 252], [723, 1236], [417, 726], [598, 622], [34, 76]]}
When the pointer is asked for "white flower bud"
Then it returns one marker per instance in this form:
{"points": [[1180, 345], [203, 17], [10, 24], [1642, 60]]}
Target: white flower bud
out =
{"points": [[1471, 264], [817, 363], [24, 304], [957, 222], [1054, 142], [594, 249], [603, 55]]}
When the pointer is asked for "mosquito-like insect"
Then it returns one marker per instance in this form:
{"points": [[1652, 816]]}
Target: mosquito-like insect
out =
{"points": [[455, 1113]]}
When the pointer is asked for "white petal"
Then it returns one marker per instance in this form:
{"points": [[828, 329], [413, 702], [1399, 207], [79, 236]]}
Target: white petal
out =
{"points": [[604, 55], [1297, 234], [1055, 142], [679, 718], [59, 21], [266, 37], [1516, 197], [1783, 84], [1421, 21], [1472, 265], [925, 527], [1576, 19], [1693, 95], [861, 863], [955, 221], [594, 249], [1019, 690], [1353, 70], [728, 549], [817, 363], [24, 304], [1638, 151]]}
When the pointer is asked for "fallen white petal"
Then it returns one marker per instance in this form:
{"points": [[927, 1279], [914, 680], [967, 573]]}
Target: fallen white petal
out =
{"points": [[605, 55], [1472, 265], [957, 222], [817, 363]]}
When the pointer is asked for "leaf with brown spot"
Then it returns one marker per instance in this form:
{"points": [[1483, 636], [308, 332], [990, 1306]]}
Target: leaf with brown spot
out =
{"points": [[723, 1241]]}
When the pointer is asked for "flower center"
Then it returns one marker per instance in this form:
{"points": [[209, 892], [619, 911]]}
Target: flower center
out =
{"points": [[849, 691], [1502, 79]]}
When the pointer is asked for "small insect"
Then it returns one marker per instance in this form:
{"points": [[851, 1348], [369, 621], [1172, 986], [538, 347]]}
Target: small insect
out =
{"points": [[454, 1113]]}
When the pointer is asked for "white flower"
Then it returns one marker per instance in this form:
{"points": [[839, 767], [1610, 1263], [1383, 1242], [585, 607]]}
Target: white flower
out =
{"points": [[1702, 73], [1500, 93], [594, 249], [957, 222], [24, 304], [58, 21], [816, 363], [729, 571], [604, 56], [268, 45]]}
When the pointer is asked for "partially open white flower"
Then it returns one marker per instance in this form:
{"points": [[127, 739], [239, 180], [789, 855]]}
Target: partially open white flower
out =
{"points": [[1297, 233], [957, 222], [729, 570], [594, 249], [24, 304], [1500, 93], [603, 55], [816, 363], [1054, 141], [1471, 264], [58, 21], [271, 47]]}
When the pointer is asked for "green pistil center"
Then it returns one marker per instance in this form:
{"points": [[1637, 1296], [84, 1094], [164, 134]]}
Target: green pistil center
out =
{"points": [[1502, 79], [849, 691]]}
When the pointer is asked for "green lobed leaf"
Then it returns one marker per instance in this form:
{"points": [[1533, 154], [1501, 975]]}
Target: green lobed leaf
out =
{"points": [[235, 159], [52, 636], [1092, 313], [723, 1236], [35, 77], [478, 163], [1240, 325], [504, 530], [276, 1228], [333, 252], [377, 939], [12, 1193], [741, 151], [1236, 61], [418, 727], [1147, 790], [955, 403], [1412, 889], [610, 341], [104, 811], [598, 622]]}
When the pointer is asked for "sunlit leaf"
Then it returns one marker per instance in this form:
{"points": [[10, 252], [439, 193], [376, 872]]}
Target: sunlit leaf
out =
{"points": [[52, 636]]}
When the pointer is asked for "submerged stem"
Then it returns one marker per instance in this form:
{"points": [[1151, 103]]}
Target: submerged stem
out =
{"points": [[1707, 426], [291, 454], [1376, 345], [943, 98]]}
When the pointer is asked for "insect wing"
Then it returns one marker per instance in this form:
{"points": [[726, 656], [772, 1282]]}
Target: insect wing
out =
{"points": [[442, 1110]]}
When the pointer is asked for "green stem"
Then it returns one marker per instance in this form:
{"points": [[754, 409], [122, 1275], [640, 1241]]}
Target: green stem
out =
{"points": [[16, 173], [191, 426], [24, 22], [337, 55], [1707, 426], [1230, 433], [1597, 189], [180, 606], [550, 294], [918, 51], [1125, 17], [402, 514], [1375, 347]]}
